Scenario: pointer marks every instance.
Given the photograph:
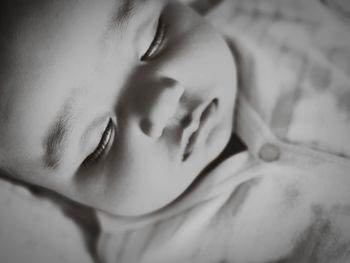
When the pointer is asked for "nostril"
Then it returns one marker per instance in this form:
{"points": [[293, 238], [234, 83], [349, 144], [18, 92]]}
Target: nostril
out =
{"points": [[186, 121], [161, 108], [168, 82], [150, 129]]}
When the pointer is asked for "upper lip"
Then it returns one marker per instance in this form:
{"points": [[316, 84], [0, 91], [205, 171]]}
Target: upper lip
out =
{"points": [[196, 122]]}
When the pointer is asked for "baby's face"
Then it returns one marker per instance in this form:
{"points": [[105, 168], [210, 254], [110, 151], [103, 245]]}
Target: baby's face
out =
{"points": [[116, 104]]}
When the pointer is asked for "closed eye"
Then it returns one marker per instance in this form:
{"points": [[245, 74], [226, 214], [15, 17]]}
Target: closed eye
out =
{"points": [[103, 146], [157, 42]]}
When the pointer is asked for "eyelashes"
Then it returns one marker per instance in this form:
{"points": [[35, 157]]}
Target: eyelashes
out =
{"points": [[103, 146], [157, 42]]}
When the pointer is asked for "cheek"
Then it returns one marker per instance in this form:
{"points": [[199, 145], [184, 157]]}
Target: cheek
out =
{"points": [[196, 54], [133, 181], [134, 160]]}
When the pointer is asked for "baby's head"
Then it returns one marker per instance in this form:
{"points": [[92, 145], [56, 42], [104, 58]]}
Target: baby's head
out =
{"points": [[116, 104]]}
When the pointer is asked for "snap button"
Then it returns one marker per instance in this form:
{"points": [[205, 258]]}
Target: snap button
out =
{"points": [[269, 152]]}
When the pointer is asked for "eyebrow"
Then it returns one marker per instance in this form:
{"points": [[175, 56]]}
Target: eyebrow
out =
{"points": [[123, 13], [56, 137]]}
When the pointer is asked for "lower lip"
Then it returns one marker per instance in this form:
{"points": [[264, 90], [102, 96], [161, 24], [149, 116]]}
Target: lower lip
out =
{"points": [[196, 137]]}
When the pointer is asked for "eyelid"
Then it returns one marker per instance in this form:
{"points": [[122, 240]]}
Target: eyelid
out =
{"points": [[103, 145], [157, 42]]}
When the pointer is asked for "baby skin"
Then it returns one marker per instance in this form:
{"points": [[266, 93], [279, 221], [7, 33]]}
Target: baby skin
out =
{"points": [[120, 106]]}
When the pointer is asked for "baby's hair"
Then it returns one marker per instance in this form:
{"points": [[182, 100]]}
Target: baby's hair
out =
{"points": [[6, 35], [11, 15], [4, 97]]}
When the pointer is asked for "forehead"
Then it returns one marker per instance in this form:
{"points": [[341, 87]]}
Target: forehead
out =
{"points": [[35, 35], [40, 38], [50, 50]]}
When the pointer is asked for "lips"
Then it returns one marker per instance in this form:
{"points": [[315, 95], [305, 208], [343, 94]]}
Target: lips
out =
{"points": [[199, 127]]}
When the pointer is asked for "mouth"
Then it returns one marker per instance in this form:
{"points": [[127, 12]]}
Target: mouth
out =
{"points": [[200, 129]]}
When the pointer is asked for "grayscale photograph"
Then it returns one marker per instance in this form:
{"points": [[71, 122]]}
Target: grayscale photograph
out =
{"points": [[175, 131]]}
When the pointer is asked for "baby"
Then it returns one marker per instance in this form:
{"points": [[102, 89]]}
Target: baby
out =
{"points": [[121, 105]]}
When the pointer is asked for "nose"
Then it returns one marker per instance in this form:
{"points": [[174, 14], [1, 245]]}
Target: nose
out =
{"points": [[162, 106]]}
